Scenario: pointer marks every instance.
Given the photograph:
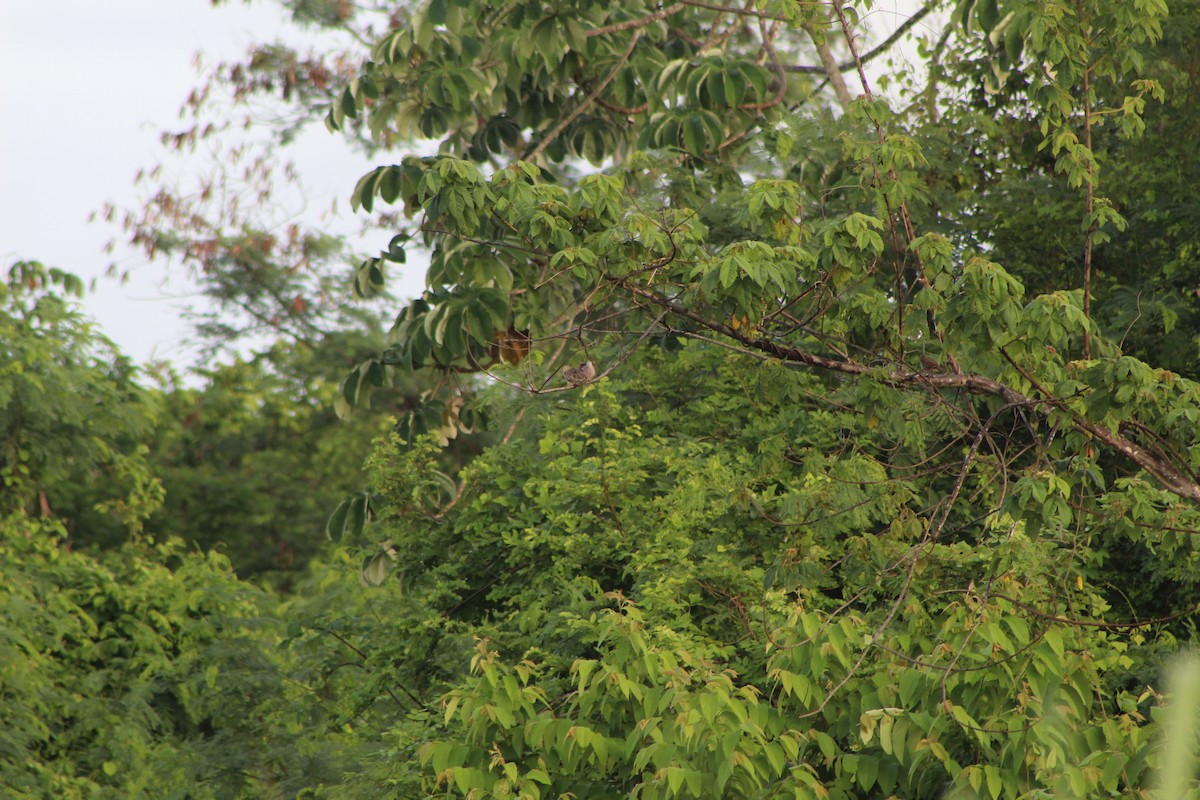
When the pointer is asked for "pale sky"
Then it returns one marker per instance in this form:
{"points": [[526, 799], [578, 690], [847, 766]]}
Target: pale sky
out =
{"points": [[87, 87]]}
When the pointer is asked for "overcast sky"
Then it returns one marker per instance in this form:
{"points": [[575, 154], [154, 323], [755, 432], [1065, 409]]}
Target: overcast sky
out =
{"points": [[88, 86]]}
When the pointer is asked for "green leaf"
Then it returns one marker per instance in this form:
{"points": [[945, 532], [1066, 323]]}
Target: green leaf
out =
{"points": [[356, 517], [335, 527], [375, 567], [1053, 637], [436, 12]]}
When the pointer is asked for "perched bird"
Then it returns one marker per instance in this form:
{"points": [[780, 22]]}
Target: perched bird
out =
{"points": [[578, 376]]}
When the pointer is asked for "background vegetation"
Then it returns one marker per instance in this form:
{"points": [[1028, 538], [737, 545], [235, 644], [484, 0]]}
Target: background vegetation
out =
{"points": [[886, 485]]}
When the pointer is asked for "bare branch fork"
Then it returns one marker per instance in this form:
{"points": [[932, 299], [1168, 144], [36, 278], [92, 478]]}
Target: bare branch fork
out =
{"points": [[882, 47]]}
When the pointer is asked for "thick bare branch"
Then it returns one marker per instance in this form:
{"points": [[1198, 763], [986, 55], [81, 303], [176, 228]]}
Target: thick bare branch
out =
{"points": [[833, 71]]}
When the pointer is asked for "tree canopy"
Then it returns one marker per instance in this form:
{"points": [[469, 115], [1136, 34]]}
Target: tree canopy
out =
{"points": [[883, 481]]}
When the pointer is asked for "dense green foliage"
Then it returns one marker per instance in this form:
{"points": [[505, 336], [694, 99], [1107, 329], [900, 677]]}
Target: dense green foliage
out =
{"points": [[885, 484], [72, 416], [723, 595], [250, 463], [253, 462], [145, 673]]}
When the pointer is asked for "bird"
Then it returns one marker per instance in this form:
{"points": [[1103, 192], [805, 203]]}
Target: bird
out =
{"points": [[578, 376]]}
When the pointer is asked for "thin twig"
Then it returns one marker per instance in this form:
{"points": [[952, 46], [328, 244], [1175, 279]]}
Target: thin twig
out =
{"points": [[781, 76], [560, 127], [878, 49], [639, 22]]}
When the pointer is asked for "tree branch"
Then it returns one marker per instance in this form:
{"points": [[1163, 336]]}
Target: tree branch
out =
{"points": [[560, 127], [745, 12], [639, 22], [1164, 473], [831, 68], [882, 47], [780, 75]]}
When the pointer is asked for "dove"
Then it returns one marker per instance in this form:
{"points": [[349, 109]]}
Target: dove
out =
{"points": [[578, 376]]}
